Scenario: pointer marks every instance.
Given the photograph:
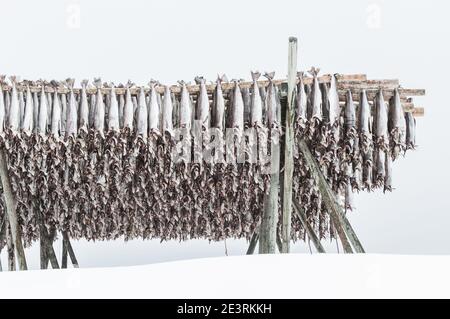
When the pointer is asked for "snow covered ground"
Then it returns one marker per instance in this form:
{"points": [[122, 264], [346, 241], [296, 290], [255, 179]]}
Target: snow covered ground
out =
{"points": [[257, 276]]}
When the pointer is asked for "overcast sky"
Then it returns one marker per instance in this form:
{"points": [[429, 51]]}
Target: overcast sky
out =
{"points": [[174, 40]]}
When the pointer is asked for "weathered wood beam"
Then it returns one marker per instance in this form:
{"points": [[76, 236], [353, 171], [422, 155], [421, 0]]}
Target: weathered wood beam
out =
{"points": [[253, 243], [69, 248], [288, 158], [191, 88], [309, 230], [327, 197], [64, 254], [10, 247], [10, 203]]}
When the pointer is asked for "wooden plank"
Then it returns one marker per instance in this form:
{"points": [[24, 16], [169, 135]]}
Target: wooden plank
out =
{"points": [[191, 88], [253, 243], [288, 159], [327, 197], [11, 212], [309, 230]]}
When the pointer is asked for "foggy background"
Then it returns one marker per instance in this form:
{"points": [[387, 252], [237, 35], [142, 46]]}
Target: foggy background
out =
{"points": [[178, 40]]}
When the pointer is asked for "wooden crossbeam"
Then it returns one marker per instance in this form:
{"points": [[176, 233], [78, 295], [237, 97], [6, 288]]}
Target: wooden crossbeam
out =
{"points": [[306, 225]]}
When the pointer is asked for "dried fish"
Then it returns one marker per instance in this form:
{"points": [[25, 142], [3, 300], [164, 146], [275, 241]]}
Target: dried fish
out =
{"points": [[410, 131], [113, 114], [72, 118], [142, 124], [99, 115], [381, 122], [14, 109], [219, 104], [256, 103], [203, 103], [167, 126], [154, 109], [397, 125]]}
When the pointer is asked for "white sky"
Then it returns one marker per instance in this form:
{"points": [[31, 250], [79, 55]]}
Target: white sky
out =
{"points": [[174, 40]]}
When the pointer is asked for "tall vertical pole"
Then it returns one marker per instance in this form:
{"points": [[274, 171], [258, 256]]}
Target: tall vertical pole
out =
{"points": [[11, 212], [289, 148]]}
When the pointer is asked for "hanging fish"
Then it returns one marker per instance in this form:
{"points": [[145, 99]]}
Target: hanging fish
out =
{"points": [[71, 117], [99, 115], [256, 103], [316, 102], [43, 112], [35, 111], [21, 106], [349, 197], [381, 121], [154, 108], [397, 125], [27, 123], [185, 107], [128, 108], [63, 112], [238, 107], [349, 122], [388, 174], [121, 106], [334, 109], [113, 114], [219, 104], [245, 91], [301, 101], [14, 109], [84, 107], [271, 101], [202, 103], [142, 115], [56, 112], [380, 167], [364, 123], [167, 126], [410, 131]]}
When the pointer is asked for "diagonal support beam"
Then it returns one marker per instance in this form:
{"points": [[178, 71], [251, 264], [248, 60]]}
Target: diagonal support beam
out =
{"points": [[69, 250], [12, 212], [309, 230], [253, 243], [327, 195]]}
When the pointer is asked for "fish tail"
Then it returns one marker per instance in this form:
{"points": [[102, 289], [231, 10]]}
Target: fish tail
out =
{"points": [[255, 75], [84, 83], [269, 75], [199, 79]]}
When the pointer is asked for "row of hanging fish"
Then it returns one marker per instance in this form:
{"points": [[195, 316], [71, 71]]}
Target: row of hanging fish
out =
{"points": [[100, 166]]}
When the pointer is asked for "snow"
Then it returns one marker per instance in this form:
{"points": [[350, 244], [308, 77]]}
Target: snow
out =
{"points": [[257, 276]]}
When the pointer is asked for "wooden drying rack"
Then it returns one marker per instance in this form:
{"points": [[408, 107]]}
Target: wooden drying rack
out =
{"points": [[282, 161]]}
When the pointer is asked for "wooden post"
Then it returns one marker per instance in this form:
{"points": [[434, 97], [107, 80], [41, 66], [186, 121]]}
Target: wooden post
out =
{"points": [[43, 254], [269, 220], [64, 254], [253, 242], [289, 148], [327, 195], [10, 247], [309, 230], [69, 248], [11, 212]]}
